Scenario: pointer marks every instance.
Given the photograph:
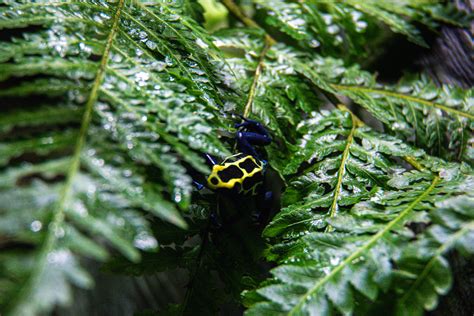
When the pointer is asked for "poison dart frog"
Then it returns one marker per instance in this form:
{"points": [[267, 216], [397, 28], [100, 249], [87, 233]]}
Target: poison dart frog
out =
{"points": [[242, 173]]}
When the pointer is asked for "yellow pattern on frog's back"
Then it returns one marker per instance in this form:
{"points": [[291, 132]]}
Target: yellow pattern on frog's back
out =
{"points": [[243, 175]]}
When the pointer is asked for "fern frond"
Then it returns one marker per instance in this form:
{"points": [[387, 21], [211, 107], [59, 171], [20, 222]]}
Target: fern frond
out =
{"points": [[316, 267], [335, 27], [335, 152], [414, 109], [275, 95], [143, 78], [425, 261]]}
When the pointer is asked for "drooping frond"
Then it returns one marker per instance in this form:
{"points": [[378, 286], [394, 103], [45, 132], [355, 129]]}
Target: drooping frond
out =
{"points": [[415, 109], [349, 28], [105, 104]]}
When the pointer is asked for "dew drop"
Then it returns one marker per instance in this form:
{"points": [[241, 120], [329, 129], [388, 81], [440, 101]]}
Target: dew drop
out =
{"points": [[97, 19], [145, 242], [122, 85], [334, 261], [98, 162], [142, 76], [59, 232], [91, 152], [151, 45], [47, 140], [361, 25], [36, 226], [333, 29], [173, 17], [314, 43], [117, 58], [80, 209], [296, 23], [158, 66], [59, 257], [178, 197], [86, 49], [201, 43]]}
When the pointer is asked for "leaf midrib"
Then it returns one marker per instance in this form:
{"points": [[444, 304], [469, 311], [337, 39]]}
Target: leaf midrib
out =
{"points": [[58, 212], [341, 171], [404, 97]]}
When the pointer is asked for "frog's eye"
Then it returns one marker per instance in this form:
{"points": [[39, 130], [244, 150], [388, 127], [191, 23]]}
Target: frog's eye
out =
{"points": [[214, 180]]}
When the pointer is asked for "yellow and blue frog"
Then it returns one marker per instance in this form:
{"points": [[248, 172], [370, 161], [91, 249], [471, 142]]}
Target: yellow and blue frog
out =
{"points": [[244, 172]]}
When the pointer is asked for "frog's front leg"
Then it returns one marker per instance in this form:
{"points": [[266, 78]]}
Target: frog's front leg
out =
{"points": [[246, 140], [251, 133]]}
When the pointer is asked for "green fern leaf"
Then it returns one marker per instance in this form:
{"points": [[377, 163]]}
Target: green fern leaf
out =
{"points": [[415, 109], [335, 27], [107, 125]]}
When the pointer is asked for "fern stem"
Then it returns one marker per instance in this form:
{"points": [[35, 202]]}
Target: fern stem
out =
{"points": [[369, 244], [442, 249], [58, 212], [237, 12], [412, 161], [258, 71], [404, 97], [342, 168]]}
